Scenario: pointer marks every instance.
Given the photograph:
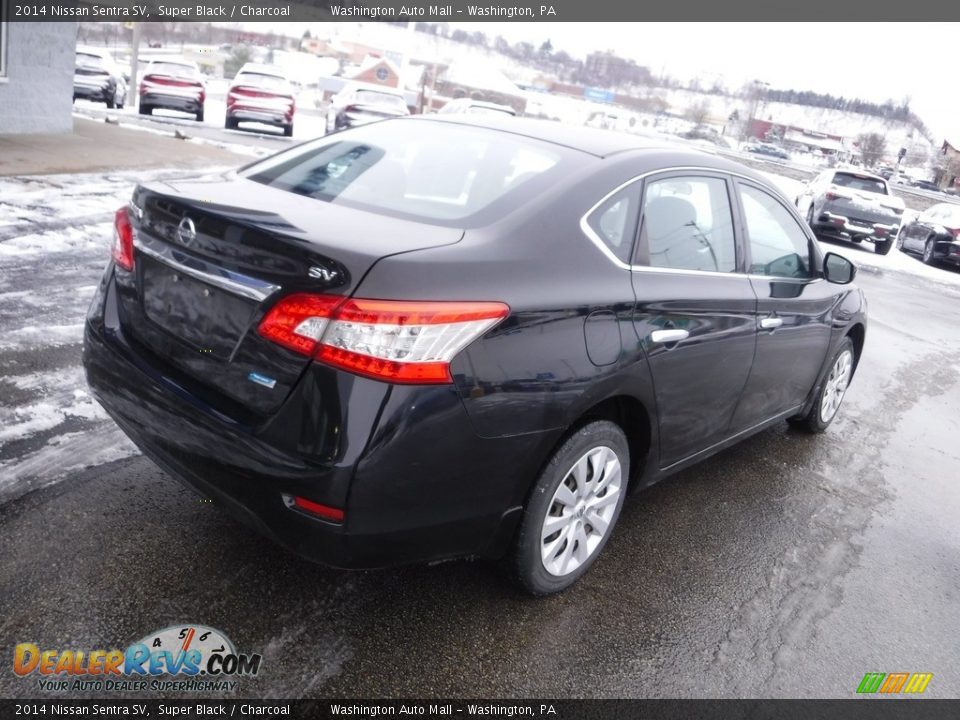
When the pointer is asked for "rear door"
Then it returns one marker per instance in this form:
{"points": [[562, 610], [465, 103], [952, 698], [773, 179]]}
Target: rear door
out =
{"points": [[794, 307], [695, 311]]}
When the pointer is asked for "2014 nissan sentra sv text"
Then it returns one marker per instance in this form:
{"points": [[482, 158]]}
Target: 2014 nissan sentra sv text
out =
{"points": [[426, 338]]}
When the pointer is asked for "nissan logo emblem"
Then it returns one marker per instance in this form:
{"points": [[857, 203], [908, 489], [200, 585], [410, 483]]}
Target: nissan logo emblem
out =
{"points": [[187, 231]]}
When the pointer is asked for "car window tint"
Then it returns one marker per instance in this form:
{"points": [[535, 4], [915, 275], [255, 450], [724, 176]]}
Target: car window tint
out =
{"points": [[615, 221], [688, 224], [447, 173], [778, 245], [860, 182]]}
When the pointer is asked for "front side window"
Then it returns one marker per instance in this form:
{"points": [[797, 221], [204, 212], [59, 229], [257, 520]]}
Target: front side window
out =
{"points": [[778, 245], [688, 225]]}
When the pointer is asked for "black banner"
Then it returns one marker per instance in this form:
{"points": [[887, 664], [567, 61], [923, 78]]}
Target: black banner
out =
{"points": [[470, 10], [855, 709]]}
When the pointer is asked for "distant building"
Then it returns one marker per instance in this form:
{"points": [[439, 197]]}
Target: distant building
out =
{"points": [[377, 71], [36, 76]]}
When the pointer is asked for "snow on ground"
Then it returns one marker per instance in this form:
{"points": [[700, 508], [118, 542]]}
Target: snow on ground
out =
{"points": [[55, 236]]}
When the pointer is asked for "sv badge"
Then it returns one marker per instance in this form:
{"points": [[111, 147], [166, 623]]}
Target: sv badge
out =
{"points": [[322, 273]]}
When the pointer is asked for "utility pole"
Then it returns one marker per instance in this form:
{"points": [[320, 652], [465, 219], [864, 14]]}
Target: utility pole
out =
{"points": [[134, 63]]}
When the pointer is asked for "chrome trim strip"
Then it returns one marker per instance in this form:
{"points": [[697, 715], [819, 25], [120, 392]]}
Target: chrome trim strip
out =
{"points": [[232, 282], [596, 240]]}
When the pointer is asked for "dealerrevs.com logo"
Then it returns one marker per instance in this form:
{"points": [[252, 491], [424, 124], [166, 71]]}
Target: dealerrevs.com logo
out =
{"points": [[180, 658]]}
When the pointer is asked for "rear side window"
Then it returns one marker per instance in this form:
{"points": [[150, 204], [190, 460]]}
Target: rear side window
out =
{"points": [[428, 172], [778, 245], [614, 222], [688, 225]]}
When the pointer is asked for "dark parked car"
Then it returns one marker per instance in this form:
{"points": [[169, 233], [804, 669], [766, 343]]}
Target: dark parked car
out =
{"points": [[767, 149], [361, 104], [935, 234], [427, 338], [852, 205], [262, 94], [97, 77], [172, 84]]}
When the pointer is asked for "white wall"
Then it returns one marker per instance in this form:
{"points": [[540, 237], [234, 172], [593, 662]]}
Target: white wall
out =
{"points": [[36, 94]]}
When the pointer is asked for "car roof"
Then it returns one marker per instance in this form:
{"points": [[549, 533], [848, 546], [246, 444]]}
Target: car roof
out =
{"points": [[593, 141], [262, 69], [859, 173], [385, 89], [98, 52], [172, 61], [660, 154]]}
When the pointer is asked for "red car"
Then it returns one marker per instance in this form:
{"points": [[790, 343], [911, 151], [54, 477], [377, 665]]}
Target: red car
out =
{"points": [[172, 85], [261, 93]]}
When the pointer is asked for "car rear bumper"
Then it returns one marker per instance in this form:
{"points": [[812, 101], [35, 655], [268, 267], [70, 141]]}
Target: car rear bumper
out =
{"points": [[415, 481], [833, 224], [268, 117], [171, 102], [92, 92]]}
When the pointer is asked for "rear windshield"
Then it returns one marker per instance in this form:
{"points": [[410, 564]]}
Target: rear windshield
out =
{"points": [[858, 182], [172, 69], [484, 110], [86, 60], [372, 97], [434, 172], [261, 80]]}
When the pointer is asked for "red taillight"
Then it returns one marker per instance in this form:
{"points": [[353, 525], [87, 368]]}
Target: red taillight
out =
{"points": [[298, 321], [831, 195], [955, 232], [123, 239], [314, 508], [395, 341]]}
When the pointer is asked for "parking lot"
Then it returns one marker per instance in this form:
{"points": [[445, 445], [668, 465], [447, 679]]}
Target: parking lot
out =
{"points": [[787, 566]]}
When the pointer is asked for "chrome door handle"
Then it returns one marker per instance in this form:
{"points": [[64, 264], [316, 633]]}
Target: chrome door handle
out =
{"points": [[669, 336], [770, 323]]}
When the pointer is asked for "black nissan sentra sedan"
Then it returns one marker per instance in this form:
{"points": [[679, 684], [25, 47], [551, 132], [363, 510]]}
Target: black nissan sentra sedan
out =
{"points": [[428, 338]]}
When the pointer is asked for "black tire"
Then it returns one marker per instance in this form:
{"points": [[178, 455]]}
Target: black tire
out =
{"points": [[200, 115], [928, 247], [814, 421], [230, 123], [810, 217], [288, 130], [110, 103], [604, 440], [883, 248], [145, 109]]}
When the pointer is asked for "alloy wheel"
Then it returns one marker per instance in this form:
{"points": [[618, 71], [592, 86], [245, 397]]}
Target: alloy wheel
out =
{"points": [[836, 386], [581, 511]]}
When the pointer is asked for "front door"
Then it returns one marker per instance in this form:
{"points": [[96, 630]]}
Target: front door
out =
{"points": [[794, 308]]}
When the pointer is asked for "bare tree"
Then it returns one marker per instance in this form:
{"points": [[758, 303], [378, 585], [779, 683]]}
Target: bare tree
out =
{"points": [[699, 112], [872, 147]]}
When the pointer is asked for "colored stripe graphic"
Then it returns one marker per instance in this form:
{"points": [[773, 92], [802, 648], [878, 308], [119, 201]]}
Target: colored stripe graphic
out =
{"points": [[894, 683], [918, 682], [871, 682]]}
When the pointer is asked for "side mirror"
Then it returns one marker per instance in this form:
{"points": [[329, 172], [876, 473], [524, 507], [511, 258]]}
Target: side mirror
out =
{"points": [[837, 269]]}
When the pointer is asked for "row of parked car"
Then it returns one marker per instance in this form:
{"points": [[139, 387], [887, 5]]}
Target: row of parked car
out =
{"points": [[259, 93], [845, 204]]}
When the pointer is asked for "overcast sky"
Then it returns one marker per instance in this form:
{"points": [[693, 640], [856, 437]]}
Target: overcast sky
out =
{"points": [[872, 61]]}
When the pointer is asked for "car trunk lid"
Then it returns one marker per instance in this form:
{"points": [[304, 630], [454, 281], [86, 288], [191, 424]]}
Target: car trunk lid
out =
{"points": [[213, 255]]}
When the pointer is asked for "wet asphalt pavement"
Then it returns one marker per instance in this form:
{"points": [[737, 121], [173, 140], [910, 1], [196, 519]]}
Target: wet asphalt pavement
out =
{"points": [[788, 566]]}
